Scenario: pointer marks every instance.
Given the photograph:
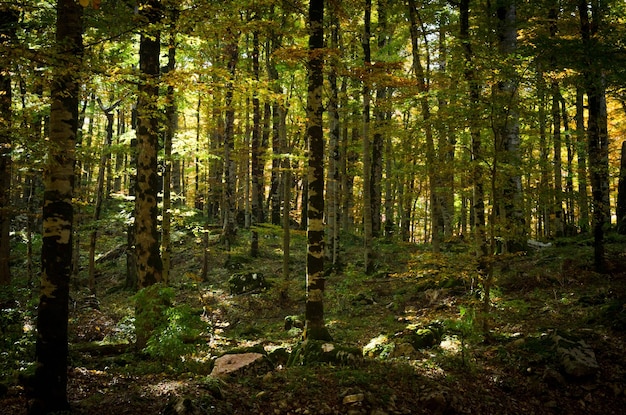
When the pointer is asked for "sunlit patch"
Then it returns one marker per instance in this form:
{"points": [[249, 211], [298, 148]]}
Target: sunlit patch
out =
{"points": [[167, 387], [451, 344]]}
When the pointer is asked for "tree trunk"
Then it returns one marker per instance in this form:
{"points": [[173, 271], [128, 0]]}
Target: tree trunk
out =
{"points": [[50, 389], [168, 138], [8, 21], [334, 155], [422, 87], [229, 230], [105, 154], [315, 328], [255, 151], [367, 152], [509, 207], [597, 133], [149, 264], [581, 151]]}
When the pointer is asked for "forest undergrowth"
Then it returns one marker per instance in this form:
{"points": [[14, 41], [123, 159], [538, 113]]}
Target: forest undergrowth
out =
{"points": [[429, 345]]}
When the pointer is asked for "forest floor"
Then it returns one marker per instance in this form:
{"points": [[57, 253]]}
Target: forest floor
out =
{"points": [[513, 368]]}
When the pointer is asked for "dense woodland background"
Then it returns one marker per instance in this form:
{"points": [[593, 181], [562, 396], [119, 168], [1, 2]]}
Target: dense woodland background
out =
{"points": [[170, 169]]}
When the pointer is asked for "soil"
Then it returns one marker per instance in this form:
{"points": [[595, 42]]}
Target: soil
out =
{"points": [[499, 363]]}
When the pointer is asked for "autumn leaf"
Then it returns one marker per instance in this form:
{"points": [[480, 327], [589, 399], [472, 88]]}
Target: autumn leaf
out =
{"points": [[84, 3]]}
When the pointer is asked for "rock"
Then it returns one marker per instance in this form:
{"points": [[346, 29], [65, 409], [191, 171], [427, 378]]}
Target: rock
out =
{"points": [[236, 363], [403, 350], [553, 378], [279, 356], [182, 406], [575, 357], [320, 351], [435, 401], [244, 282], [355, 398], [379, 346], [424, 337]]}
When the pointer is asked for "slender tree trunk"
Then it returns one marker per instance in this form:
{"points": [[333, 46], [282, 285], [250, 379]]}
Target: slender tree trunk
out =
{"points": [[229, 229], [255, 162], [334, 155], [559, 226], [8, 22], [621, 193], [51, 351], [168, 138], [422, 87], [582, 151], [367, 152], [569, 181], [315, 329], [105, 154]]}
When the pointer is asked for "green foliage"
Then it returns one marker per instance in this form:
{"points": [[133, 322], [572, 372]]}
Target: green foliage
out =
{"points": [[174, 327], [175, 337], [465, 327]]}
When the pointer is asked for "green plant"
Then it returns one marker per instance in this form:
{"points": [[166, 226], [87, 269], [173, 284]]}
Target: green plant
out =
{"points": [[175, 337]]}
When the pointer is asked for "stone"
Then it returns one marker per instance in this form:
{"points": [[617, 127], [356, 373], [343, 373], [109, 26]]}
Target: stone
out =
{"points": [[245, 282], [232, 363], [577, 358]]}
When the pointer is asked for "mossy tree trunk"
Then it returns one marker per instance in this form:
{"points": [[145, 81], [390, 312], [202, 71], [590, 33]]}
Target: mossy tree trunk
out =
{"points": [[50, 391], [315, 328]]}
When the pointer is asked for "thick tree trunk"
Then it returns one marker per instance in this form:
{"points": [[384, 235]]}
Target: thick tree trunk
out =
{"points": [[597, 132], [8, 21], [147, 255], [50, 391], [315, 328]]}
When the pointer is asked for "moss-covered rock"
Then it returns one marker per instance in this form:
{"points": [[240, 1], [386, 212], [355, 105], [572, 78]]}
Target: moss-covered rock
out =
{"points": [[311, 352]]}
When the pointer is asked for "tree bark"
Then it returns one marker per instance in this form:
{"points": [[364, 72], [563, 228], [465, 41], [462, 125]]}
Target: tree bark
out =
{"points": [[422, 87], [597, 132], [315, 328], [229, 229], [509, 207], [8, 21], [367, 152], [168, 138], [257, 180], [51, 351], [147, 255]]}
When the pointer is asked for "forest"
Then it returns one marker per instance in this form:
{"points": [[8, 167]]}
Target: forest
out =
{"points": [[324, 207]]}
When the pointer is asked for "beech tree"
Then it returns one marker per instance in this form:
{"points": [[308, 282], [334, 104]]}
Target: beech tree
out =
{"points": [[8, 21], [315, 328], [147, 255], [50, 388]]}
